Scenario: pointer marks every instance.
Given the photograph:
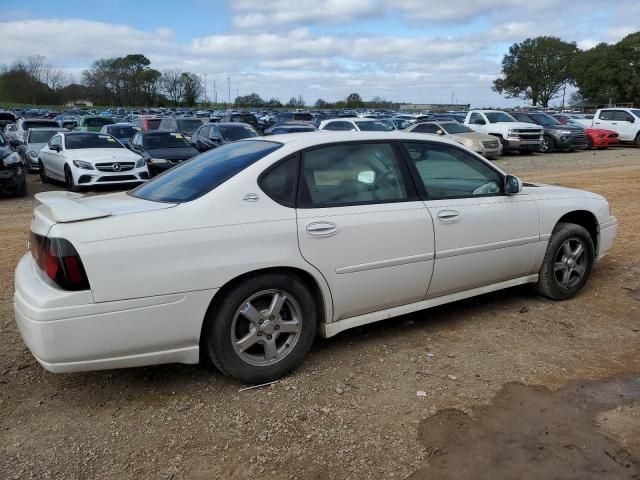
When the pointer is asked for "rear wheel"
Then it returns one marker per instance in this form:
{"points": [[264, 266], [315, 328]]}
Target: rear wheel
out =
{"points": [[567, 262], [638, 140], [262, 329], [547, 145]]}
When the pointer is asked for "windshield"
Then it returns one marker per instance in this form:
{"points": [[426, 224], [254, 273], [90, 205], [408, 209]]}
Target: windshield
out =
{"points": [[41, 136], [164, 140], [495, 117], [123, 132], [373, 127], [237, 132], [634, 111], [153, 123], [203, 173], [90, 140], [188, 126], [544, 119], [97, 122], [455, 127]]}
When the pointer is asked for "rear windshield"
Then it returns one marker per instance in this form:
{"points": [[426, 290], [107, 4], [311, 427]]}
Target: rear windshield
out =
{"points": [[153, 123], [203, 173], [376, 126], [239, 132], [41, 136], [162, 140], [189, 126], [38, 124], [90, 140], [97, 122], [123, 132]]}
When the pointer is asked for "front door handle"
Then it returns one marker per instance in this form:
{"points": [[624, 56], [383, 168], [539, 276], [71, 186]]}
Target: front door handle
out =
{"points": [[449, 216], [322, 229]]}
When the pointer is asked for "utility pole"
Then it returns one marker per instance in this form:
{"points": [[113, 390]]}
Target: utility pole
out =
{"points": [[205, 88], [564, 91], [229, 87], [237, 100], [215, 93]]}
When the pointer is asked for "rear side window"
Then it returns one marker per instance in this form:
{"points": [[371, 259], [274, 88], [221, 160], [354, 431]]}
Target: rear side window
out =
{"points": [[351, 174], [200, 175], [279, 182]]}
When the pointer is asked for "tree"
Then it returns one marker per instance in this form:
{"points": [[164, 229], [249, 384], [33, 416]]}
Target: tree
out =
{"points": [[274, 103], [354, 100], [172, 85], [251, 100], [296, 102], [598, 74], [536, 69], [192, 88], [320, 103]]}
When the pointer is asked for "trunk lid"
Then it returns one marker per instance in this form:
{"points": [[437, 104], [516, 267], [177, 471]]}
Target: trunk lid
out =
{"points": [[65, 207]]}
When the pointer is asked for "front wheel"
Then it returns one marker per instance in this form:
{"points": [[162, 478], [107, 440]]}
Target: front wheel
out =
{"points": [[68, 180], [44, 178], [567, 262], [262, 329]]}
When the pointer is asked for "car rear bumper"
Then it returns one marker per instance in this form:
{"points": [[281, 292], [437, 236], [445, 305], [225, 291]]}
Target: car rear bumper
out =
{"points": [[68, 332]]}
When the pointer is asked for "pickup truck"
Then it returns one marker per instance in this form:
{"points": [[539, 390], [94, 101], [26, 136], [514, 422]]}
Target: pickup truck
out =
{"points": [[514, 136], [624, 121]]}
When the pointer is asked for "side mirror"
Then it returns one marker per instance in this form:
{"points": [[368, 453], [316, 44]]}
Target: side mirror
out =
{"points": [[439, 132], [479, 121], [632, 120], [55, 148], [512, 185], [14, 142], [215, 139]]}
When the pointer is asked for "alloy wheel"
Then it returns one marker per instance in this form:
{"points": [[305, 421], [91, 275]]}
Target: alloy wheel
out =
{"points": [[570, 263], [266, 327]]}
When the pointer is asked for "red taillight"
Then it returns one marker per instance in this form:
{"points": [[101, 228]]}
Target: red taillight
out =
{"points": [[60, 261]]}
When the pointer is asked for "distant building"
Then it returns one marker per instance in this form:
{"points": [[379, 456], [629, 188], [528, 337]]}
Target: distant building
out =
{"points": [[79, 103], [436, 107]]}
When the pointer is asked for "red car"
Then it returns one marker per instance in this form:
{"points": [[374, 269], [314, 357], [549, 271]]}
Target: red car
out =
{"points": [[601, 138]]}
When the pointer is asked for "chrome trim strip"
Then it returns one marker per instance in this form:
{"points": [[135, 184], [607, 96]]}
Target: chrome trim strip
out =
{"points": [[545, 236], [393, 262], [487, 247]]}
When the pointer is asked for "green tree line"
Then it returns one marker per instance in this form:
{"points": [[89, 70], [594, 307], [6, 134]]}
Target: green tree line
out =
{"points": [[539, 70]]}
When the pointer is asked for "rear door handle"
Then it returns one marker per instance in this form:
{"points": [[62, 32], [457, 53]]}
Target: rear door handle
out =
{"points": [[449, 216], [322, 229]]}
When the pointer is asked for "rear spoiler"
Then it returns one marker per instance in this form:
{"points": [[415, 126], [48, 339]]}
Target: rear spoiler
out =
{"points": [[64, 207]]}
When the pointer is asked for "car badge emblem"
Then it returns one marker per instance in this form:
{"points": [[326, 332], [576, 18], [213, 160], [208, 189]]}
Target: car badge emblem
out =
{"points": [[116, 167]]}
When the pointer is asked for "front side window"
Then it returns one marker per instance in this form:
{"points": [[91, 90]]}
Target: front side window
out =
{"points": [[55, 141], [447, 172], [350, 174], [476, 118], [201, 174]]}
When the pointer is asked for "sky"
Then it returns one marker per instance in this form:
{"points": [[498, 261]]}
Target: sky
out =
{"points": [[415, 51]]}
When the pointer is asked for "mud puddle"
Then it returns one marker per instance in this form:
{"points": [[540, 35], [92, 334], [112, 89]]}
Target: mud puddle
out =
{"points": [[585, 430]]}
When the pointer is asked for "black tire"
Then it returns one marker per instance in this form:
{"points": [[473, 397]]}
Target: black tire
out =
{"points": [[549, 284], [638, 140], [68, 180], [589, 143], [221, 324], [547, 145], [21, 190], [44, 178]]}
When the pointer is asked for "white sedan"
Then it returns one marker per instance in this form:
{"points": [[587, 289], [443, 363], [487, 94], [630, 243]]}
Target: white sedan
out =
{"points": [[244, 253], [83, 159]]}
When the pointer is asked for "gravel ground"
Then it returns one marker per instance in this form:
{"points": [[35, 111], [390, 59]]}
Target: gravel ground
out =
{"points": [[351, 411]]}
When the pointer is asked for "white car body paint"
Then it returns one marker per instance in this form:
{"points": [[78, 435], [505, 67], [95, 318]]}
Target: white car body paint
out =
{"points": [[154, 268]]}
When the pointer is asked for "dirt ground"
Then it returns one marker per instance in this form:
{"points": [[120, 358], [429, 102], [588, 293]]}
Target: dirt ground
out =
{"points": [[516, 386]]}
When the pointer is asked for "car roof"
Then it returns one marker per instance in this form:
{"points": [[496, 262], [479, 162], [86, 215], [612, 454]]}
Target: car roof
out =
{"points": [[47, 129], [322, 137], [231, 124]]}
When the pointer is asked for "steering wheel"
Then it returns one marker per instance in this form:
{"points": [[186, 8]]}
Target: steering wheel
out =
{"points": [[375, 186]]}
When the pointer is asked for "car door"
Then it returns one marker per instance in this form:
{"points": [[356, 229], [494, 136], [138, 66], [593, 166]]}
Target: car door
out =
{"points": [[482, 236], [606, 120], [49, 157], [478, 122], [625, 123], [361, 224]]}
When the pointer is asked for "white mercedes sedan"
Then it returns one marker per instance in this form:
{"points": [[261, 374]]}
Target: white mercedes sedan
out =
{"points": [[84, 159], [244, 253]]}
